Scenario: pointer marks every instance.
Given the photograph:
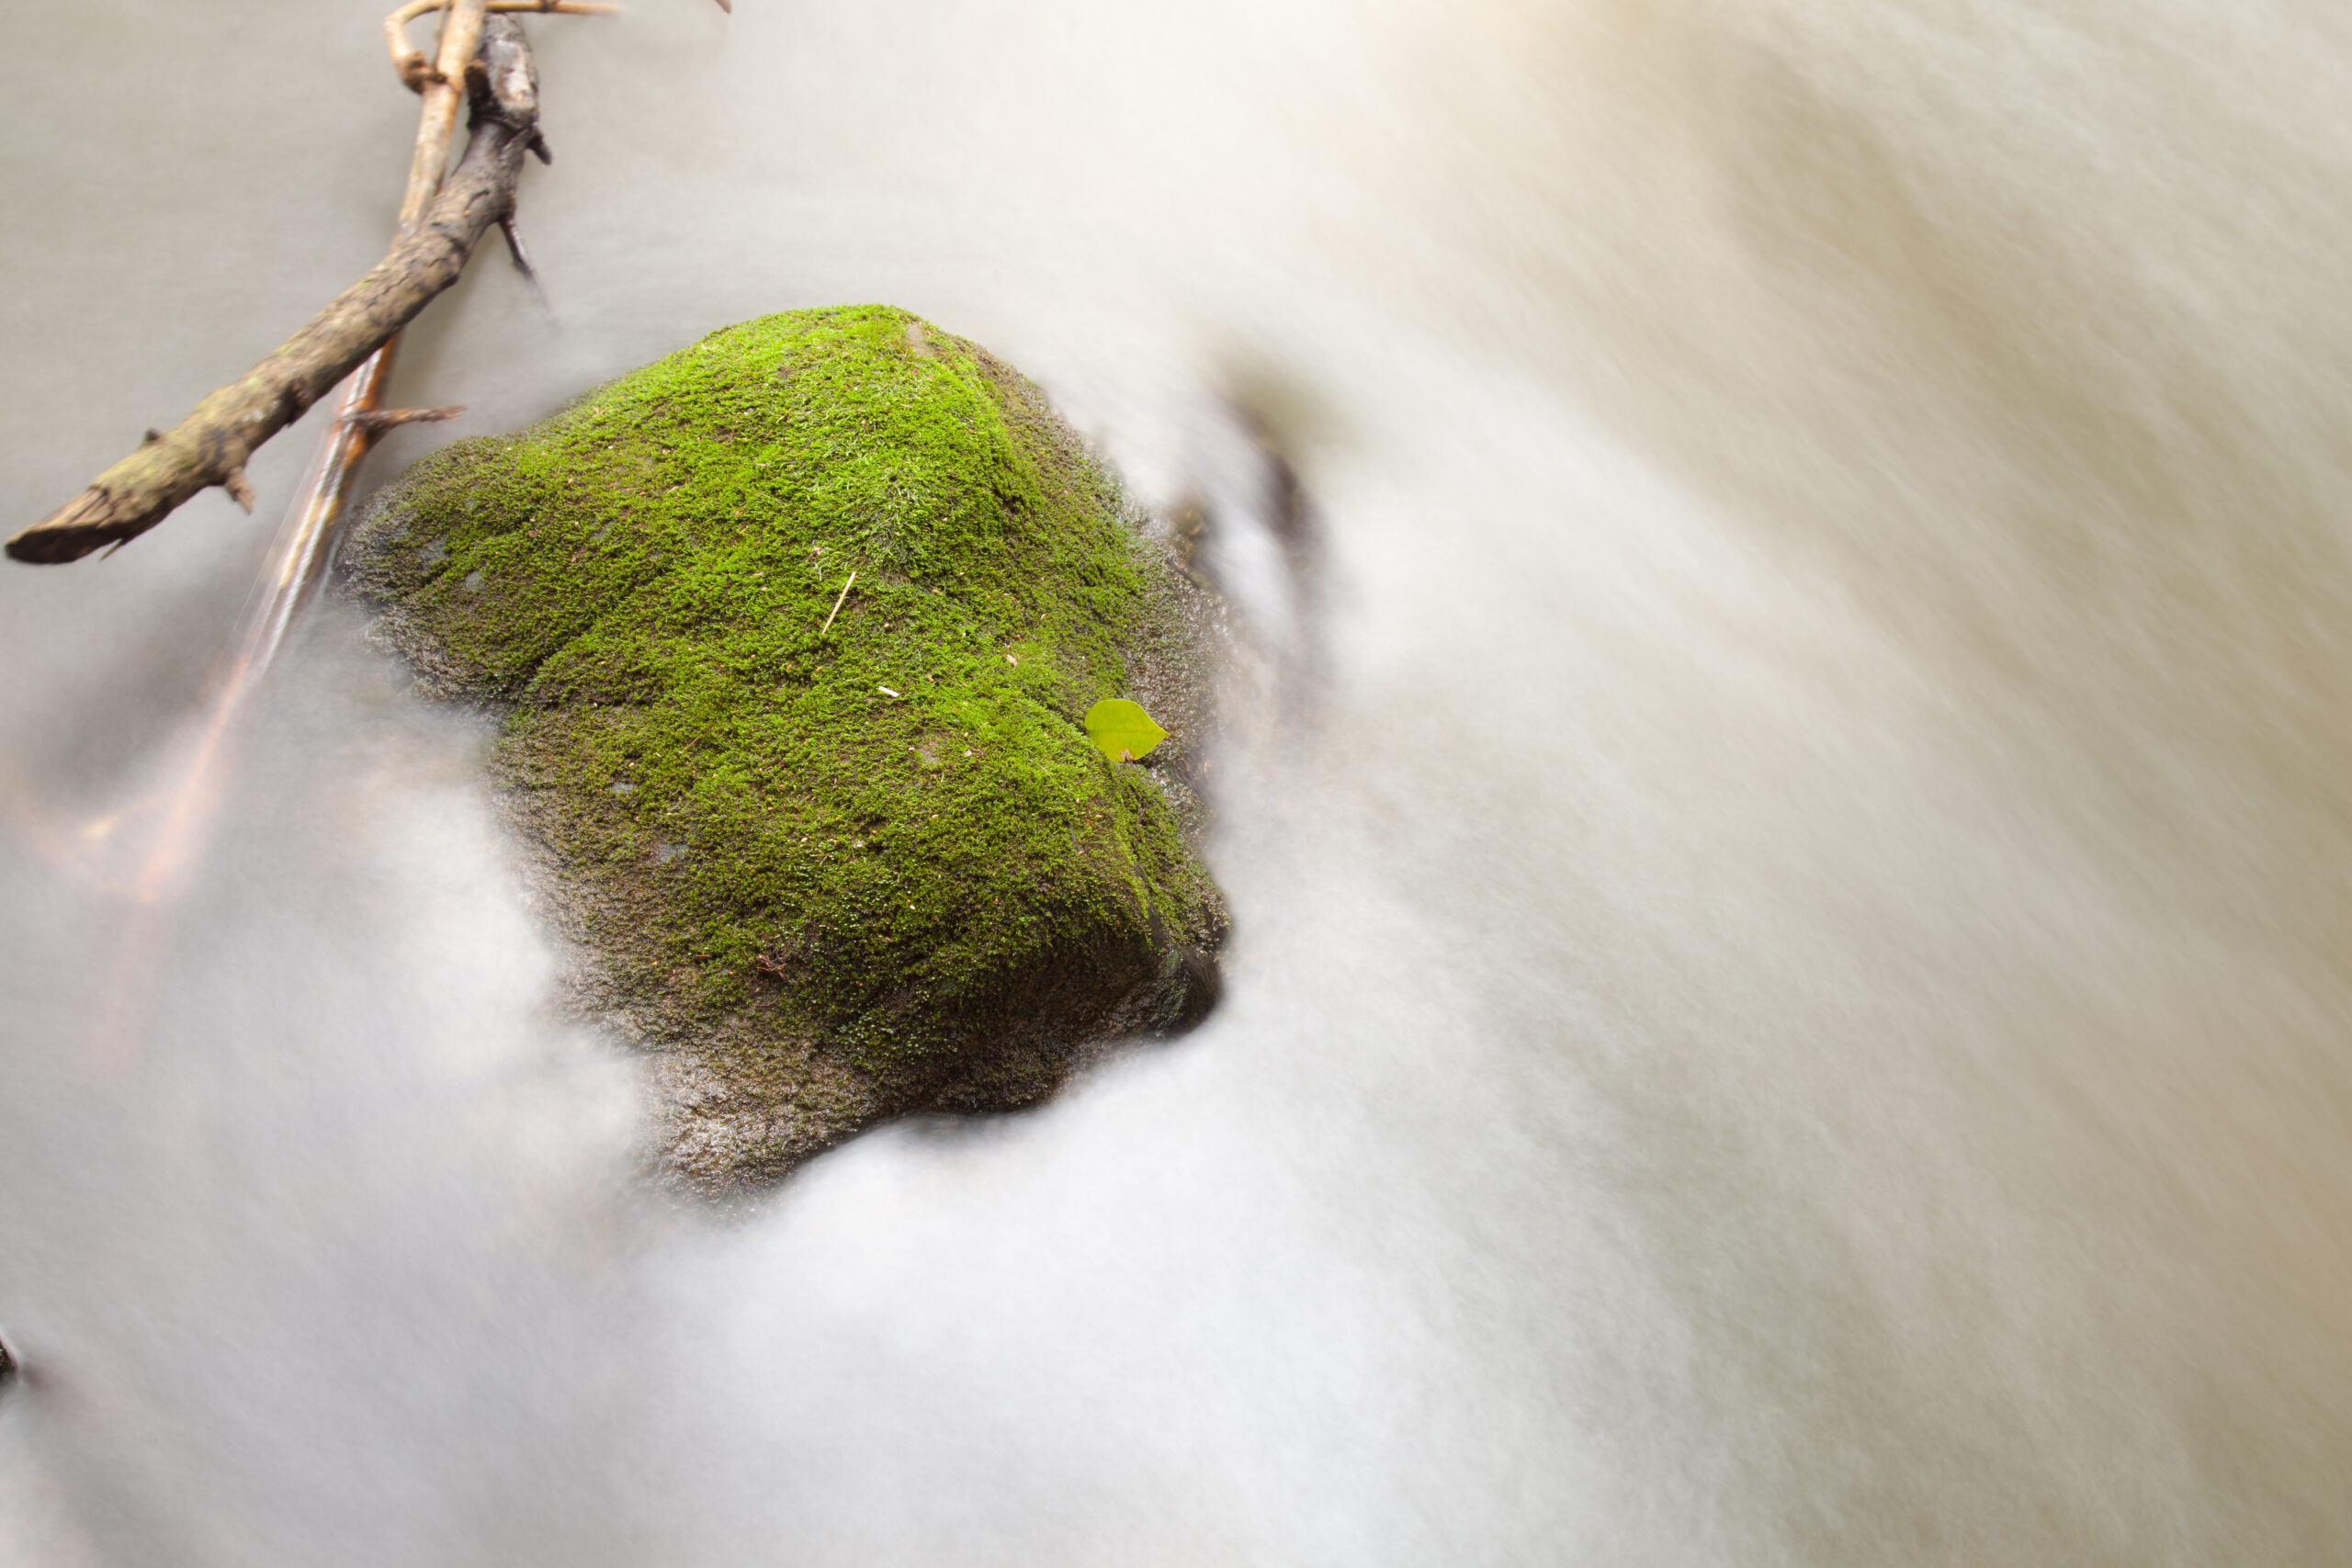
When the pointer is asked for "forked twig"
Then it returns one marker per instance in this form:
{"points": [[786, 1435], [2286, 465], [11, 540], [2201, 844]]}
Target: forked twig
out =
{"points": [[419, 73], [486, 60], [438, 230]]}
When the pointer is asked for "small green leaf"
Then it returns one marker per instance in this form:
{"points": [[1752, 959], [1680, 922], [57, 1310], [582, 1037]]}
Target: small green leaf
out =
{"points": [[1123, 729]]}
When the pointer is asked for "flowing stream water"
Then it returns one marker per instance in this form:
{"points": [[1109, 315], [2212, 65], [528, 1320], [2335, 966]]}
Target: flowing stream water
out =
{"points": [[1791, 854]]}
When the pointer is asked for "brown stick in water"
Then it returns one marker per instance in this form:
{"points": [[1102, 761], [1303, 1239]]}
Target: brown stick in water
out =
{"points": [[346, 444], [210, 447], [419, 73]]}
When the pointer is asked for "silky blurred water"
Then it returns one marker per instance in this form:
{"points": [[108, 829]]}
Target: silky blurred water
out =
{"points": [[1793, 860]]}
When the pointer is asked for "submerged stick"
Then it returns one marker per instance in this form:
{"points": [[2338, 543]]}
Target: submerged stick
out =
{"points": [[210, 447], [357, 422]]}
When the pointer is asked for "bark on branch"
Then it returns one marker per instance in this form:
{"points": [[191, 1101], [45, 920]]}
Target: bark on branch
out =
{"points": [[210, 447], [418, 73]]}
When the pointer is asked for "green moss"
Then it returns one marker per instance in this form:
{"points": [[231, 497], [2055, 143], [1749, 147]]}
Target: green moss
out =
{"points": [[894, 834]]}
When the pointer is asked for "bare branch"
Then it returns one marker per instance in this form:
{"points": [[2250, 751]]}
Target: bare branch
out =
{"points": [[418, 73], [210, 447]]}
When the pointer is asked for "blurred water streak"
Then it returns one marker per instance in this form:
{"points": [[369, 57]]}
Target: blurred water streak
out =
{"points": [[1791, 1002]]}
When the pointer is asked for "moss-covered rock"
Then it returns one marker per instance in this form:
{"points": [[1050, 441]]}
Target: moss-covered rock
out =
{"points": [[835, 874]]}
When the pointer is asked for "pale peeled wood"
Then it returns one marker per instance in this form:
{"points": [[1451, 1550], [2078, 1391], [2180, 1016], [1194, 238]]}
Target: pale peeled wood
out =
{"points": [[409, 62]]}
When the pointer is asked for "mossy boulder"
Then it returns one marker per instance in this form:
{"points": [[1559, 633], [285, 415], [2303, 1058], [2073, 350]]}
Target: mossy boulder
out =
{"points": [[833, 874]]}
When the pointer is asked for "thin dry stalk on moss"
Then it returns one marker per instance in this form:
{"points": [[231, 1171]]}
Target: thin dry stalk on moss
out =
{"points": [[836, 610], [211, 445]]}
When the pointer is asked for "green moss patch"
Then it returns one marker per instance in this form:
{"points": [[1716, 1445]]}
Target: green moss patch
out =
{"points": [[853, 870]]}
